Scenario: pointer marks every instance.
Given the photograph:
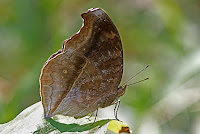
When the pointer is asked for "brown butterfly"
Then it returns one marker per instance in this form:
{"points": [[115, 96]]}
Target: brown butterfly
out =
{"points": [[85, 74]]}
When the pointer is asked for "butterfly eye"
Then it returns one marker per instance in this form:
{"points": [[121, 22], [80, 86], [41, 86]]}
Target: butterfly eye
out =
{"points": [[119, 87], [120, 92]]}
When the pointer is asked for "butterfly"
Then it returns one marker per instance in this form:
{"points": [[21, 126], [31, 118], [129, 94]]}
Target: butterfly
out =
{"points": [[85, 74]]}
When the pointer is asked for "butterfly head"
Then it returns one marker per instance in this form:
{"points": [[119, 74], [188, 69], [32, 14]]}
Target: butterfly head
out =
{"points": [[121, 90]]}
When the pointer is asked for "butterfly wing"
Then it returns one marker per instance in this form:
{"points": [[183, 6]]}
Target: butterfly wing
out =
{"points": [[97, 56]]}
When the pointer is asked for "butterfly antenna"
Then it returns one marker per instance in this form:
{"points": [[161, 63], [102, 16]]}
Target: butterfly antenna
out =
{"points": [[136, 75], [137, 82]]}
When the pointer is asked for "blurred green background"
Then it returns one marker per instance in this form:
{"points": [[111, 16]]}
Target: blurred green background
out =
{"points": [[163, 33]]}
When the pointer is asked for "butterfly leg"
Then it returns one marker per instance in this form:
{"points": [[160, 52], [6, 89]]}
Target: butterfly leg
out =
{"points": [[117, 103], [95, 117], [90, 116]]}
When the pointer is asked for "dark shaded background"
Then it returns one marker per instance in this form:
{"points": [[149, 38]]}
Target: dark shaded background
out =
{"points": [[163, 33]]}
